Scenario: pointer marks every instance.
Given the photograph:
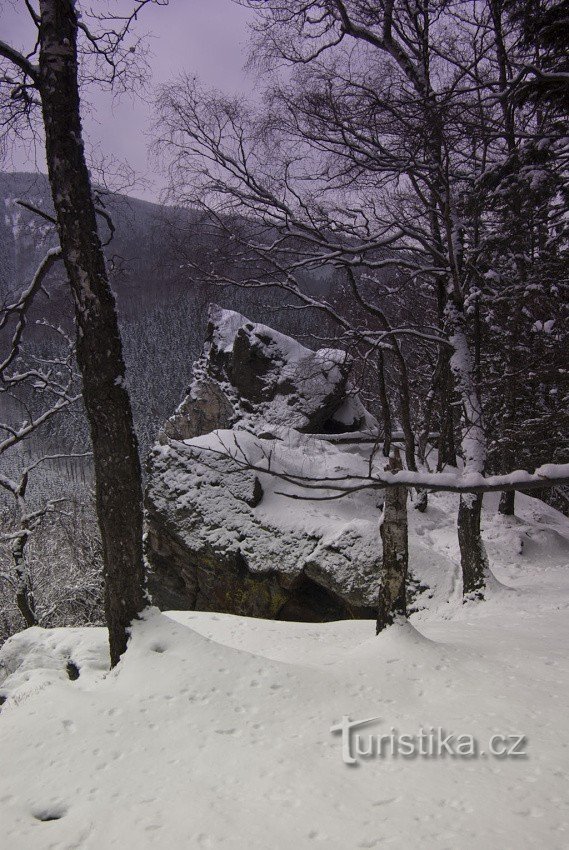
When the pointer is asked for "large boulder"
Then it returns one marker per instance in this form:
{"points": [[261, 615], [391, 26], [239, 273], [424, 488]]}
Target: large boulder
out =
{"points": [[224, 538], [251, 376]]}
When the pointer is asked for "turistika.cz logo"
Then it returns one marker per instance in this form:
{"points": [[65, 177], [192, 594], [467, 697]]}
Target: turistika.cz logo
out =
{"points": [[429, 742]]}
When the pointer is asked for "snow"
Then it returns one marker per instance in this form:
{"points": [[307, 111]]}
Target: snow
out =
{"points": [[352, 410], [194, 482], [313, 374], [214, 731], [226, 324], [473, 436]]}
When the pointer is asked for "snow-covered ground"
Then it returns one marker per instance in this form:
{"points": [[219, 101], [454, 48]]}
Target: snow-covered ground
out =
{"points": [[214, 730]]}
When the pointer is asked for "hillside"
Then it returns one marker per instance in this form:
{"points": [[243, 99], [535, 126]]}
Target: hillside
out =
{"points": [[148, 254], [142, 259]]}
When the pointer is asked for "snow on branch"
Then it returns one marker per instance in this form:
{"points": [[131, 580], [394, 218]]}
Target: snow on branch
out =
{"points": [[19, 308], [547, 475]]}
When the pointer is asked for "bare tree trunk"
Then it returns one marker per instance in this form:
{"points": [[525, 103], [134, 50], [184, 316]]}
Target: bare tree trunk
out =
{"points": [[439, 398], [393, 591], [447, 445], [99, 352], [385, 408], [24, 591], [507, 504], [474, 561], [508, 418], [421, 497], [518, 245], [444, 384], [473, 558]]}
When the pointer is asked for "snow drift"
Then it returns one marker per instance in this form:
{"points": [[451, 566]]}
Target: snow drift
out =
{"points": [[214, 730]]}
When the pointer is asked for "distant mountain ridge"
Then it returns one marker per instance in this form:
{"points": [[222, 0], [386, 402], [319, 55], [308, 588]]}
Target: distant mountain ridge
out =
{"points": [[141, 260], [147, 255]]}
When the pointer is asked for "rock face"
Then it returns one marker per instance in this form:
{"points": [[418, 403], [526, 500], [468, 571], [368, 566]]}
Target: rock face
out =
{"points": [[222, 537], [249, 375]]}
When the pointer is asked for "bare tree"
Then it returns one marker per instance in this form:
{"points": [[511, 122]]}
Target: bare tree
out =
{"points": [[28, 522], [54, 82], [39, 390]]}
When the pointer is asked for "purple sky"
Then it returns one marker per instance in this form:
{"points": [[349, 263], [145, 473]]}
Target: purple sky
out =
{"points": [[206, 37]]}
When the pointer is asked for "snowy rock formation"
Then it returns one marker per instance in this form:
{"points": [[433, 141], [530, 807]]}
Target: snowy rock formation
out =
{"points": [[224, 538], [250, 375]]}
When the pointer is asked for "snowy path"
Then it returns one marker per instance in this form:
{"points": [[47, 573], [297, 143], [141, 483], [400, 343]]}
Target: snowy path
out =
{"points": [[215, 730]]}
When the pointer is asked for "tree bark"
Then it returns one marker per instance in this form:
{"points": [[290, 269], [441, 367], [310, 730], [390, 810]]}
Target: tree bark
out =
{"points": [[507, 503], [518, 247], [385, 407], [447, 445], [24, 590], [444, 384], [393, 590], [473, 558], [99, 351]]}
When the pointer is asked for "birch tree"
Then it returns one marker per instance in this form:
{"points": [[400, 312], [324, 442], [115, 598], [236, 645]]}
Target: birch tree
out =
{"points": [[48, 79]]}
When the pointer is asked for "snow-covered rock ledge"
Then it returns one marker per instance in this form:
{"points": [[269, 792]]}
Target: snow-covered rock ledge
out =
{"points": [[250, 376], [222, 539]]}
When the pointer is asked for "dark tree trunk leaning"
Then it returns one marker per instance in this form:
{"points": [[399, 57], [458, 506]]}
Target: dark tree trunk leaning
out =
{"points": [[393, 591], [99, 351]]}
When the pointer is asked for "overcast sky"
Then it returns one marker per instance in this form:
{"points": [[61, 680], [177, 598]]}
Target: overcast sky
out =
{"points": [[206, 37]]}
